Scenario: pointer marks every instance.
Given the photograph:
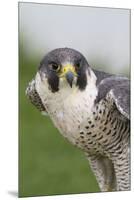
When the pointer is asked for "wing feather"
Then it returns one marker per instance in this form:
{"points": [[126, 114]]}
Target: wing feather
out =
{"points": [[118, 88], [121, 97], [34, 98]]}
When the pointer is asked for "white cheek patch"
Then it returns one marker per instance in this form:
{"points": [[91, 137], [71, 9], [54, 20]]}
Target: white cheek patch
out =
{"points": [[42, 86], [64, 84]]}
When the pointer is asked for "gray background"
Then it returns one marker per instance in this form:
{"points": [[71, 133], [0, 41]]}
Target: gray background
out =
{"points": [[101, 34]]}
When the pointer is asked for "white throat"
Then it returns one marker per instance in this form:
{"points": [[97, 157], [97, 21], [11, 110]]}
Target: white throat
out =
{"points": [[68, 107]]}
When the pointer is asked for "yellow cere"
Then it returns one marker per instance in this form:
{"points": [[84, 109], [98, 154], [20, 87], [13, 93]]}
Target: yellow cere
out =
{"points": [[67, 68]]}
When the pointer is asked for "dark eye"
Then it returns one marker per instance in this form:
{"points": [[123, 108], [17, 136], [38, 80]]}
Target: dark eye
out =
{"points": [[77, 65], [55, 66]]}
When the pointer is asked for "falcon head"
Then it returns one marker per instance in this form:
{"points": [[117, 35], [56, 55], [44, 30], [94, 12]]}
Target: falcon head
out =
{"points": [[64, 67]]}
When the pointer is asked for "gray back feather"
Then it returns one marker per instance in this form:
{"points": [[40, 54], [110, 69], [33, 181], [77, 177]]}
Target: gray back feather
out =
{"points": [[118, 88]]}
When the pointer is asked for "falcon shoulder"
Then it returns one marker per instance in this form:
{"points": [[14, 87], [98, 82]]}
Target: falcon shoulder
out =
{"points": [[118, 89], [34, 98]]}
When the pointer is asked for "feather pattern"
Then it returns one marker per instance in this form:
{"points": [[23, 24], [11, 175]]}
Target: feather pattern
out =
{"points": [[34, 98]]}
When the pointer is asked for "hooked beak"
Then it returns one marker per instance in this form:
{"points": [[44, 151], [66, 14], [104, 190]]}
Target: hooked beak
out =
{"points": [[68, 71], [70, 77]]}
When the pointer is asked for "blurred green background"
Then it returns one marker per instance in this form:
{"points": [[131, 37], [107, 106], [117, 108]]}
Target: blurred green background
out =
{"points": [[48, 163]]}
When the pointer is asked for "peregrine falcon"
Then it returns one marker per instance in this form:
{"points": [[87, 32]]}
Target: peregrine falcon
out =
{"points": [[91, 109]]}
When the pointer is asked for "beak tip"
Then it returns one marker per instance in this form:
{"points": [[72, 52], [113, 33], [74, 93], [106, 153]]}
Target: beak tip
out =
{"points": [[70, 78]]}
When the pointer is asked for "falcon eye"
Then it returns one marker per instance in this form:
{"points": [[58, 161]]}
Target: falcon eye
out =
{"points": [[55, 66], [77, 65]]}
